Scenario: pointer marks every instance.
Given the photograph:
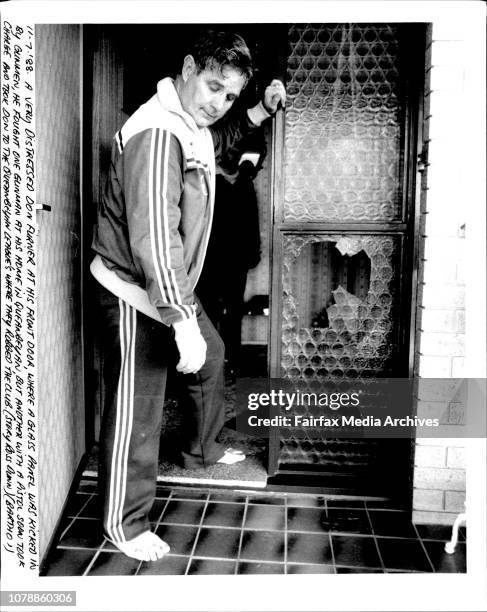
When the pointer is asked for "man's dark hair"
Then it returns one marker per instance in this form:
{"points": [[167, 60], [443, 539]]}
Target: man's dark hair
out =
{"points": [[214, 50]]}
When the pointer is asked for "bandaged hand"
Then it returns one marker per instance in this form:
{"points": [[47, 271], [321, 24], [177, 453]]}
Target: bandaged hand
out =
{"points": [[274, 94], [191, 346]]}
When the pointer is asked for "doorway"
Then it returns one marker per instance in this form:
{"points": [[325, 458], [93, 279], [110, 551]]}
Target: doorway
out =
{"points": [[344, 237], [338, 217]]}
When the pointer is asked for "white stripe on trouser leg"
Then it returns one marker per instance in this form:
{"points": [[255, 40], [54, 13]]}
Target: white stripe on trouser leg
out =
{"points": [[130, 415], [124, 418]]}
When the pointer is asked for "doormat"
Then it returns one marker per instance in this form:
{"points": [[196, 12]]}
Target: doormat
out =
{"points": [[249, 473]]}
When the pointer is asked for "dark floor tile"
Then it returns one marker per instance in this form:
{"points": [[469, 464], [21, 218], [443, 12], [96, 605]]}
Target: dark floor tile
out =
{"points": [[93, 509], [220, 543], [68, 562], [345, 503], [348, 520], [355, 551], [64, 523], [462, 534], [262, 546], [84, 533], [224, 515], [168, 565], [403, 554], [227, 496], [257, 498], [156, 510], [306, 501], [395, 524], [443, 562], [247, 567], [307, 519], [179, 537], [300, 568], [435, 532], [163, 492], [309, 548], [182, 511], [357, 570], [211, 567], [196, 494], [265, 517], [113, 564], [76, 503]]}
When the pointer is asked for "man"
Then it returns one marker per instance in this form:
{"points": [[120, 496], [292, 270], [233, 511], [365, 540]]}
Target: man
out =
{"points": [[150, 240]]}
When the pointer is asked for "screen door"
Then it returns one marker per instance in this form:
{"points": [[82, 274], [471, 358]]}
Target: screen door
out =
{"points": [[343, 237]]}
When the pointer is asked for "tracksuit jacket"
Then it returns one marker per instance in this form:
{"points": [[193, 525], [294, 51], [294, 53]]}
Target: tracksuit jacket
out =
{"points": [[155, 219], [151, 237]]}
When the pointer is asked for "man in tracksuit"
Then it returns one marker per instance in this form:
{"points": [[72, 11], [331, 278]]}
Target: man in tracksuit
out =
{"points": [[150, 242]]}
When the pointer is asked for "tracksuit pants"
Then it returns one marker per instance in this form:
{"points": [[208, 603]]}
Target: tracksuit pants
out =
{"points": [[137, 352]]}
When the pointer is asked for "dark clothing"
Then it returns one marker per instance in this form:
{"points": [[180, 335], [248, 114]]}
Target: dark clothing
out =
{"points": [[138, 350], [230, 255]]}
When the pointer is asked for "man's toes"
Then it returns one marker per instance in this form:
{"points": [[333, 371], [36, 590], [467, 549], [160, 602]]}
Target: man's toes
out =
{"points": [[159, 553], [155, 552], [158, 546]]}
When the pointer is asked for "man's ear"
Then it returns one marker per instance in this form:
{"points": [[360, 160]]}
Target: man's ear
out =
{"points": [[189, 66]]}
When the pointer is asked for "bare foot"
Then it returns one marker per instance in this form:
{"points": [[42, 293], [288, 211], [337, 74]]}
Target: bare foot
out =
{"points": [[231, 456], [145, 547]]}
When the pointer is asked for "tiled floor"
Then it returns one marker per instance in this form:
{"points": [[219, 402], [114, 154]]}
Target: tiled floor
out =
{"points": [[225, 532]]}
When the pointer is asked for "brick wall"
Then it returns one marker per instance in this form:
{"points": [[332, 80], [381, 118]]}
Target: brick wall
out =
{"points": [[439, 472]]}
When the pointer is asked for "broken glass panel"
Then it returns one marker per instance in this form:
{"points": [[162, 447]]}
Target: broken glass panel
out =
{"points": [[338, 307], [340, 322]]}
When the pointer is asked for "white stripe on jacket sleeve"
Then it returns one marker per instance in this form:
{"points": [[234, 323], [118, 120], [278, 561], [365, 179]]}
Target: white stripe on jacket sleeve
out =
{"points": [[159, 222]]}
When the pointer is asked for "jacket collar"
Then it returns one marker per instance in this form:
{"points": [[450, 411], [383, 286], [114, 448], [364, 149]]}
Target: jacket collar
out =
{"points": [[168, 98]]}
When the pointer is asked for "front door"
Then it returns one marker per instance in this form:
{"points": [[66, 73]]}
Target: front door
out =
{"points": [[343, 236]]}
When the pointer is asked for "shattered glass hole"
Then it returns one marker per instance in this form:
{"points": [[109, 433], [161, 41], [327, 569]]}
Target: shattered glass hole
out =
{"points": [[339, 306]]}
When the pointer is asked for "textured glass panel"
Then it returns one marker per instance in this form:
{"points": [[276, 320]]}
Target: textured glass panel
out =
{"points": [[339, 313], [339, 324], [328, 454], [343, 124]]}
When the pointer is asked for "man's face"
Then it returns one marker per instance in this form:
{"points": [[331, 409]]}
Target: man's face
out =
{"points": [[208, 95]]}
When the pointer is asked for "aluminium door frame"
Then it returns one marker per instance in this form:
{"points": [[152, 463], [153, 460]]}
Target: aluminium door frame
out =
{"points": [[408, 228]]}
